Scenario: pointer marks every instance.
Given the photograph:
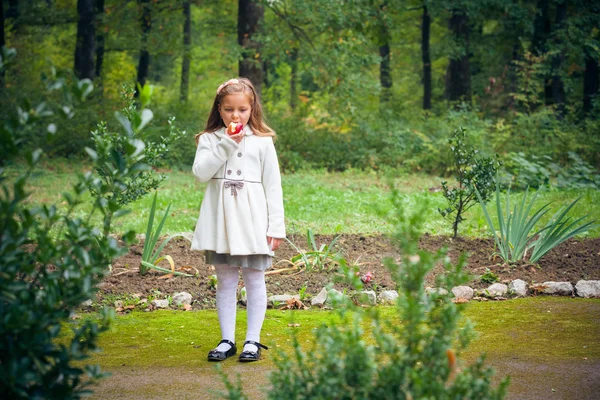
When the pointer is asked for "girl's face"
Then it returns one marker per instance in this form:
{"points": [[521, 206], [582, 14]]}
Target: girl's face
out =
{"points": [[236, 108]]}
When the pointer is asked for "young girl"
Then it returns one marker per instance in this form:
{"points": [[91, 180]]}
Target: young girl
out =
{"points": [[241, 219]]}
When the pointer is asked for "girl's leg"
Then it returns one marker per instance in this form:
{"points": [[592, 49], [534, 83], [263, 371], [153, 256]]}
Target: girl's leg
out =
{"points": [[227, 282], [256, 292]]}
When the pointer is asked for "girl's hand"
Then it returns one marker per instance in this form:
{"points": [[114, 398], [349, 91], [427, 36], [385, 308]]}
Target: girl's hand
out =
{"points": [[274, 242], [238, 137]]}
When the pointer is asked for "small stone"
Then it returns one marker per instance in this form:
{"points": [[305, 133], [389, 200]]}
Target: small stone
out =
{"points": [[559, 288], [160, 303], [334, 296], [320, 299], [588, 288], [118, 304], [87, 304], [182, 298], [243, 298], [282, 298], [366, 297], [463, 292], [518, 287], [497, 290], [440, 291], [388, 296]]}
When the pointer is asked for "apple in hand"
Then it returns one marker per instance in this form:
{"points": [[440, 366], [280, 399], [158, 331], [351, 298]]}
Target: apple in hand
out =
{"points": [[234, 128]]}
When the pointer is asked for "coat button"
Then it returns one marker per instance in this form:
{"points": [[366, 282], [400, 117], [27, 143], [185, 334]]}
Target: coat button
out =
{"points": [[239, 171], [239, 154], [228, 172]]}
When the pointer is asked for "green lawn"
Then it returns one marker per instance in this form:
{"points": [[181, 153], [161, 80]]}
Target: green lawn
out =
{"points": [[356, 201]]}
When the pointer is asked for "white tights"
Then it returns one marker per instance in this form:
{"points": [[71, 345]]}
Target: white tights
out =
{"points": [[256, 292]]}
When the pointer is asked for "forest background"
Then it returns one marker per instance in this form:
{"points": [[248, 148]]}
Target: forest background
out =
{"points": [[368, 84]]}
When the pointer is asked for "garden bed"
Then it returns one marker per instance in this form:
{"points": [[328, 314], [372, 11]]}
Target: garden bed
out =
{"points": [[572, 261]]}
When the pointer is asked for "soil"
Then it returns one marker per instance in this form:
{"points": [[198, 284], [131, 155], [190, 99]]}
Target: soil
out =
{"points": [[571, 261]]}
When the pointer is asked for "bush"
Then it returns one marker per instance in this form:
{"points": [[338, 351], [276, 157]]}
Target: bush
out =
{"points": [[51, 262], [414, 359]]}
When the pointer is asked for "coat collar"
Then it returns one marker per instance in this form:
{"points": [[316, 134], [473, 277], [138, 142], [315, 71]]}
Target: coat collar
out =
{"points": [[247, 131]]}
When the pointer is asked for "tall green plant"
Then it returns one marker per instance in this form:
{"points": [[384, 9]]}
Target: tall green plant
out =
{"points": [[416, 358], [470, 171], [50, 262], [516, 233]]}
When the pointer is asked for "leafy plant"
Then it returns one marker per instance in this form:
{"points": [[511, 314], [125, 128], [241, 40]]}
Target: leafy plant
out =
{"points": [[489, 276], [213, 282], [469, 172], [318, 257], [514, 236], [302, 293], [150, 256], [51, 262], [417, 358]]}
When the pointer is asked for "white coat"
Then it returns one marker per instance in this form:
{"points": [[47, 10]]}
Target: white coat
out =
{"points": [[243, 203]]}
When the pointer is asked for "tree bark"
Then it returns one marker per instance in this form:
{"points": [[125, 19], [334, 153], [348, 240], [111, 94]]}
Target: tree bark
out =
{"points": [[591, 82], [144, 60], [539, 45], [2, 43], [458, 73], [86, 40], [13, 11], [250, 15], [558, 89], [187, 47], [385, 71], [426, 56], [99, 38]]}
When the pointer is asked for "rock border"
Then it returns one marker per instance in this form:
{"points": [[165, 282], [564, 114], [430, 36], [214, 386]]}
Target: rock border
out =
{"points": [[368, 298]]}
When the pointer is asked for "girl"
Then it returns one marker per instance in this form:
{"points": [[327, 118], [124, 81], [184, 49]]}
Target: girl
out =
{"points": [[241, 218]]}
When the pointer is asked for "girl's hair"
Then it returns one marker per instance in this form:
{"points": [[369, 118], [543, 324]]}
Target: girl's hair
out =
{"points": [[238, 85]]}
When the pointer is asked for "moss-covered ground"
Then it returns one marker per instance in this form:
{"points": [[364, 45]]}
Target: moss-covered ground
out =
{"points": [[549, 346]]}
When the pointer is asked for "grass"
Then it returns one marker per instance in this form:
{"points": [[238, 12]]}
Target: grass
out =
{"points": [[358, 201], [528, 327]]}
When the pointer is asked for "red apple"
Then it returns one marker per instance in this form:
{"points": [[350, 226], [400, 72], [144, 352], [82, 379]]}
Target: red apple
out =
{"points": [[235, 128]]}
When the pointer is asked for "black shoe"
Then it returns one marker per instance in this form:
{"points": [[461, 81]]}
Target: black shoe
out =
{"points": [[252, 355], [216, 355]]}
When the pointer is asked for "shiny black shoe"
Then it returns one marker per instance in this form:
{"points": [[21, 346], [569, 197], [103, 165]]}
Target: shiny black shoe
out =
{"points": [[246, 356], [216, 355]]}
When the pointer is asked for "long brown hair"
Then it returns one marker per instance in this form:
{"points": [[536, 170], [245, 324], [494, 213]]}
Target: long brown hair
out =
{"points": [[243, 85]]}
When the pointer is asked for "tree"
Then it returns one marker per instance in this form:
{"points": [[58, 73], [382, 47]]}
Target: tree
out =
{"points": [[250, 16], [557, 85], [426, 57], [86, 40], [187, 47], [144, 59], [458, 73], [2, 43], [99, 38], [385, 70]]}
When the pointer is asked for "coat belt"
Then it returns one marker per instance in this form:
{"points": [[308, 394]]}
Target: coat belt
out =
{"points": [[234, 185]]}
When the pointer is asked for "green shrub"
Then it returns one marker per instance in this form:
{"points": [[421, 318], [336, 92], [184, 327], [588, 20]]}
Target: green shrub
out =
{"points": [[412, 359], [470, 172]]}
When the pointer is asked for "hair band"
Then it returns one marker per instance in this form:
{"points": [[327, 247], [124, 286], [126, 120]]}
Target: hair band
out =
{"points": [[229, 82]]}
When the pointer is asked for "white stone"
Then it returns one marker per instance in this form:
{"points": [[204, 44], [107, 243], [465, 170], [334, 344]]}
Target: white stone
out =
{"points": [[497, 290], [388, 296], [182, 298], [160, 303], [334, 296], [243, 295], [320, 299], [366, 297], [560, 288], [440, 291], [87, 304], [118, 304], [588, 288], [463, 292], [518, 287], [282, 298]]}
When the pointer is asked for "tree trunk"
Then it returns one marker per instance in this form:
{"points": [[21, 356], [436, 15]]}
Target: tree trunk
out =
{"points": [[99, 38], [591, 81], [385, 71], [144, 61], [86, 40], [426, 56], [458, 74], [293, 78], [250, 15], [13, 11], [2, 43], [539, 46], [558, 89], [187, 47]]}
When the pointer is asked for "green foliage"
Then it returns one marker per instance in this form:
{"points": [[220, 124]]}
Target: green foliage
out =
{"points": [[470, 173], [514, 236], [318, 257], [489, 277], [414, 359], [150, 256], [51, 261], [133, 121]]}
